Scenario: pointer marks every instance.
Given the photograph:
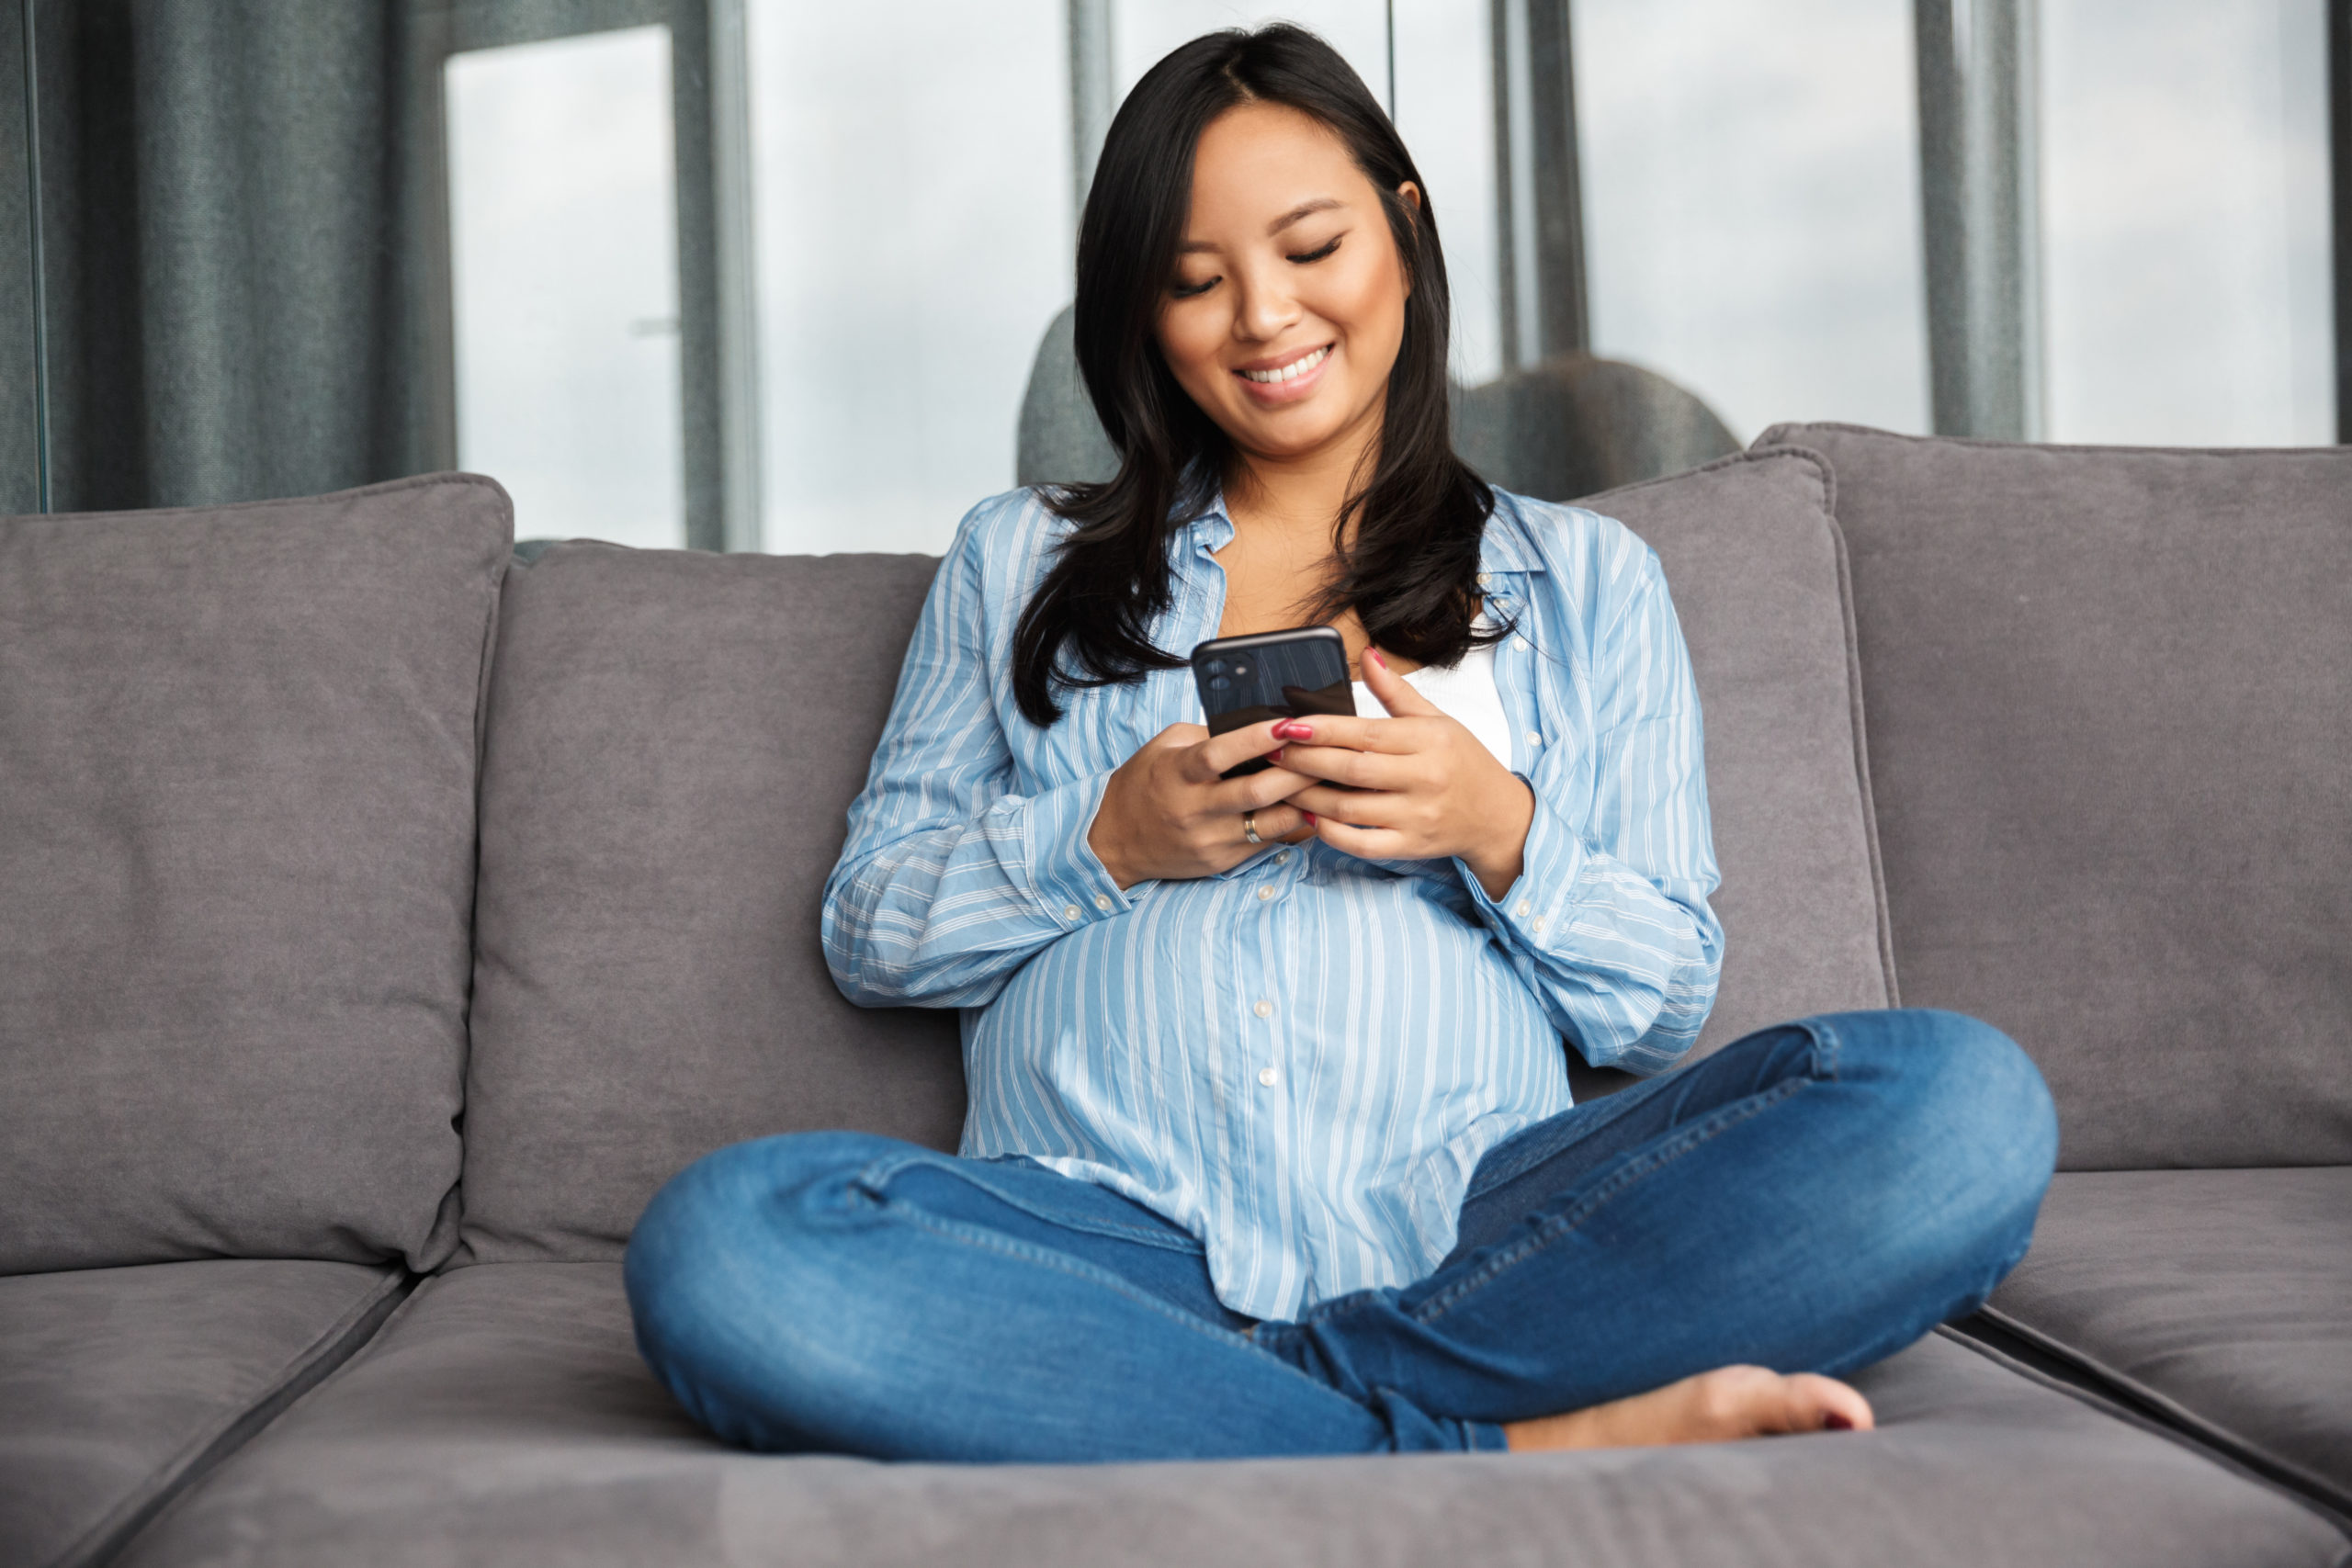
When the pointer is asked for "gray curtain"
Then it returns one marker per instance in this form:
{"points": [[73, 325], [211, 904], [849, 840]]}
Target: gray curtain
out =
{"points": [[19, 486], [231, 198], [246, 235]]}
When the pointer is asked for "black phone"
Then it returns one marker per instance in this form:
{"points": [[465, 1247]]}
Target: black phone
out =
{"points": [[1285, 674]]}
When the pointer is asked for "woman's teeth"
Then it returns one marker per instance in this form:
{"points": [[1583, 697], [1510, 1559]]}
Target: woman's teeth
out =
{"points": [[1292, 371]]}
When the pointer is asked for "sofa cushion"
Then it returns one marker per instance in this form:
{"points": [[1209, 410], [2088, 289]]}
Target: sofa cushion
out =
{"points": [[237, 761], [2221, 1299], [122, 1385], [674, 739], [503, 1417], [2110, 702], [1757, 571]]}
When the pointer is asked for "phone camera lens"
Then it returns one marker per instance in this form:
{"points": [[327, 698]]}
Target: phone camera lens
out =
{"points": [[1219, 683], [1214, 667]]}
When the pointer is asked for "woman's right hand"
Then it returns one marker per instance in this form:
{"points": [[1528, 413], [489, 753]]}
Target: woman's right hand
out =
{"points": [[1168, 816]]}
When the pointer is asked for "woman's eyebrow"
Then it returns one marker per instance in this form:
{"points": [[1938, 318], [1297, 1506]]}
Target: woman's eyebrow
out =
{"points": [[1305, 208]]}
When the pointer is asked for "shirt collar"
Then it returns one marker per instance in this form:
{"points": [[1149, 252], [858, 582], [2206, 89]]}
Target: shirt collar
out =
{"points": [[1504, 546]]}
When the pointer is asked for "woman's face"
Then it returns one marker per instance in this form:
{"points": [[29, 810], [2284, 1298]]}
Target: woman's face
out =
{"points": [[1288, 303]]}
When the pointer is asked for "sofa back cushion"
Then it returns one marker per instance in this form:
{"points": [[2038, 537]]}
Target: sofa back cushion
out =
{"points": [[1758, 573], [675, 740], [2110, 699], [237, 761]]}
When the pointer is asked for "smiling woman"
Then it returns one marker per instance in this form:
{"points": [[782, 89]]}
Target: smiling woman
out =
{"points": [[1271, 1146], [1209, 286]]}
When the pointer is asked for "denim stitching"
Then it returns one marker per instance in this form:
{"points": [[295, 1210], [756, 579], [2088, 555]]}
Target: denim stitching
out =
{"points": [[1824, 1039], [1078, 1268], [881, 1170], [1563, 1224]]}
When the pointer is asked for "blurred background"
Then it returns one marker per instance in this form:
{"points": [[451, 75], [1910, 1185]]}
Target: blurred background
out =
{"points": [[775, 274]]}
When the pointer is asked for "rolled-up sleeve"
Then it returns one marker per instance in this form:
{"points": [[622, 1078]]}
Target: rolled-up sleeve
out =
{"points": [[949, 880], [1608, 922]]}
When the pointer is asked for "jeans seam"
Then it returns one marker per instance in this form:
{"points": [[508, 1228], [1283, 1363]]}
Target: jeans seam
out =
{"points": [[881, 1170], [989, 1241], [1560, 1225]]}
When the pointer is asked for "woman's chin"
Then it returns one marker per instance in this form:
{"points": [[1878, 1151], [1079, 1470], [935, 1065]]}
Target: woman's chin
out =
{"points": [[1286, 435]]}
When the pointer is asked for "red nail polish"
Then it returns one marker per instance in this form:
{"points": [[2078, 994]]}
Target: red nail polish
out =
{"points": [[1310, 818], [1836, 1422], [1373, 654], [1291, 729]]}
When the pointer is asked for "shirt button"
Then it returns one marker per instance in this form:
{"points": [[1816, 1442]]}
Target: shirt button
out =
{"points": [[1518, 642], [1281, 857], [1070, 911], [1524, 910], [1264, 894], [1269, 1076], [1536, 924], [1533, 739], [1485, 577], [1103, 902], [1264, 1009]]}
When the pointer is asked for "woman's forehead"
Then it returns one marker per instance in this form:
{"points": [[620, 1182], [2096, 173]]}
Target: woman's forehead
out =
{"points": [[1260, 167]]}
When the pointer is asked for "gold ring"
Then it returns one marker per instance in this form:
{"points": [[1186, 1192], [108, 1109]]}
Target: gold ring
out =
{"points": [[1249, 827]]}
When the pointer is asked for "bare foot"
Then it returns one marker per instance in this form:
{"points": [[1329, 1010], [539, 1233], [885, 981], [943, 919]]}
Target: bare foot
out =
{"points": [[1714, 1408]]}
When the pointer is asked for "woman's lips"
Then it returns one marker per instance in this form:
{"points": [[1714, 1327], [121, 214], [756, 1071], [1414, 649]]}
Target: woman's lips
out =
{"points": [[1288, 381]]}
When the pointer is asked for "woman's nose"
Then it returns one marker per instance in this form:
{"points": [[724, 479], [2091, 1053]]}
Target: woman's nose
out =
{"points": [[1265, 310]]}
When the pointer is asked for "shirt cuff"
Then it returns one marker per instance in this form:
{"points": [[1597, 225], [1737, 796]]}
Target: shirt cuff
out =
{"points": [[1068, 879], [1534, 911]]}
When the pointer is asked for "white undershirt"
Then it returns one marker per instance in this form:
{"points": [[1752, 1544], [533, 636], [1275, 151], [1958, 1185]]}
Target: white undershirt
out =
{"points": [[1466, 694]]}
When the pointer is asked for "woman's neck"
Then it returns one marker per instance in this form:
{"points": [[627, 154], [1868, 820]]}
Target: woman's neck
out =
{"points": [[1299, 497]]}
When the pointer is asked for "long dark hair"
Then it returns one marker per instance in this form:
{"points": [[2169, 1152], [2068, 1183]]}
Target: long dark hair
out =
{"points": [[1410, 570]]}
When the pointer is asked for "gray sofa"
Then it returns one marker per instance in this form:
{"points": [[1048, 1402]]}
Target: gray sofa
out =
{"points": [[383, 919]]}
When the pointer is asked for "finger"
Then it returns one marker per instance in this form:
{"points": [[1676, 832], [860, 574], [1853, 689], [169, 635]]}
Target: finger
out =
{"points": [[1395, 693], [1364, 844], [1279, 822], [1355, 733], [1254, 791], [1219, 753], [1362, 770], [1366, 808]]}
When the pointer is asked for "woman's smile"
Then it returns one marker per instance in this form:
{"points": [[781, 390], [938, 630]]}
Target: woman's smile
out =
{"points": [[1286, 378]]}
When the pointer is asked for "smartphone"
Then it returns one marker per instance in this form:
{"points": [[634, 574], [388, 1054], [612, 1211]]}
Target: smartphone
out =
{"points": [[1286, 674]]}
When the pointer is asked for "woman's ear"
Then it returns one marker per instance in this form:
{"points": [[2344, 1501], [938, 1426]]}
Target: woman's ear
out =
{"points": [[1410, 195]]}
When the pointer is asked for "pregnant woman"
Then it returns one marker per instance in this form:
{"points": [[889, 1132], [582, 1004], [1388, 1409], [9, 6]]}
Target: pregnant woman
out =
{"points": [[1271, 1148]]}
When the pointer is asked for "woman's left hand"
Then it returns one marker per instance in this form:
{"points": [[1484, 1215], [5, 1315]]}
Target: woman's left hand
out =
{"points": [[1420, 787]]}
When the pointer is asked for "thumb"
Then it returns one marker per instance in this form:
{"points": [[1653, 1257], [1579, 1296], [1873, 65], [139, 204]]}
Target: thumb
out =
{"points": [[1394, 695]]}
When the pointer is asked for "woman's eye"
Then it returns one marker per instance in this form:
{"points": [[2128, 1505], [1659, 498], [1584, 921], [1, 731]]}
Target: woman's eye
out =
{"points": [[1320, 252], [1183, 290]]}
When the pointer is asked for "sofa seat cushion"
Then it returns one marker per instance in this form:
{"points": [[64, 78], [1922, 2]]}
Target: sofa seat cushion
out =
{"points": [[674, 739], [2221, 1298], [503, 1417], [237, 769], [2111, 700], [117, 1386]]}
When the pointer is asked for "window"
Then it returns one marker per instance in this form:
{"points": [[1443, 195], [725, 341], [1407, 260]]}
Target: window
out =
{"points": [[2185, 222], [1751, 202], [910, 190], [565, 261]]}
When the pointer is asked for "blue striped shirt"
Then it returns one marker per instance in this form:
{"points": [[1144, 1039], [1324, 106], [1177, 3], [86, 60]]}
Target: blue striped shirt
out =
{"points": [[1300, 1060]]}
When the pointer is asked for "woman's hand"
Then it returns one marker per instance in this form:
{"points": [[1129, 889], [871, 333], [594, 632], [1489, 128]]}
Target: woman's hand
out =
{"points": [[1167, 815], [1421, 786]]}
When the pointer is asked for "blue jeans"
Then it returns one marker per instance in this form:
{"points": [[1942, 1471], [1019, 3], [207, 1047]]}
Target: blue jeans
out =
{"points": [[1814, 1197]]}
